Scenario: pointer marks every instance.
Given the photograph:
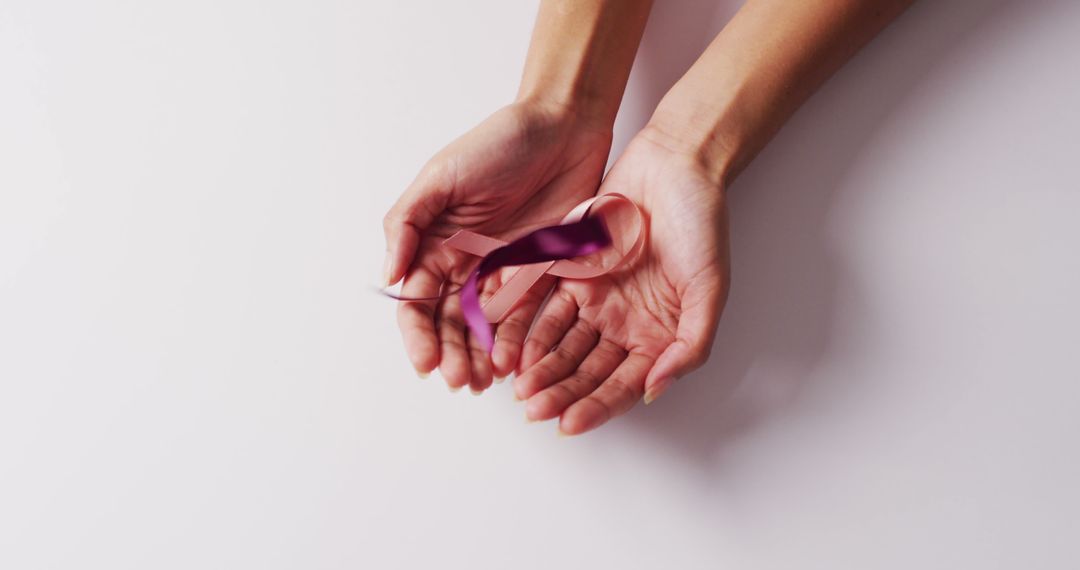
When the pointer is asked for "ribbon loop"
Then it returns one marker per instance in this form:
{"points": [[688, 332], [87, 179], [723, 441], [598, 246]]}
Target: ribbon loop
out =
{"points": [[555, 245]]}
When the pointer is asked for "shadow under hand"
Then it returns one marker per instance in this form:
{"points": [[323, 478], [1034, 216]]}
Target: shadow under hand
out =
{"points": [[776, 327]]}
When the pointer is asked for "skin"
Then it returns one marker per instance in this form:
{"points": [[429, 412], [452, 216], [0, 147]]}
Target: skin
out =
{"points": [[524, 167], [597, 340], [599, 346], [660, 317]]}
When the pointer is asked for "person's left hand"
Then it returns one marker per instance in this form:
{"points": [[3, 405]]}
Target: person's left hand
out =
{"points": [[524, 167], [601, 344]]}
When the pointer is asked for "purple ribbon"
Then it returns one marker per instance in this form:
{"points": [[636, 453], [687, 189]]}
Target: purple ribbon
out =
{"points": [[550, 243]]}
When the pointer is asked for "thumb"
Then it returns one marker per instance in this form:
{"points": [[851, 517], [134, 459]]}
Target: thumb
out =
{"points": [[702, 303], [403, 226]]}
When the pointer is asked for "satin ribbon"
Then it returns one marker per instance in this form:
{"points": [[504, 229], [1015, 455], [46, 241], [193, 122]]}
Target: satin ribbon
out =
{"points": [[546, 250]]}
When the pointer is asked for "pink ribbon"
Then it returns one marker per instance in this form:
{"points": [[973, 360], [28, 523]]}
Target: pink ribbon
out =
{"points": [[574, 236]]}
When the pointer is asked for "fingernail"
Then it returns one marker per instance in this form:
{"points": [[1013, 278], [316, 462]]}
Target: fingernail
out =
{"points": [[529, 420], [454, 389], [422, 375], [658, 389], [499, 379], [386, 270], [559, 433], [516, 397], [475, 392]]}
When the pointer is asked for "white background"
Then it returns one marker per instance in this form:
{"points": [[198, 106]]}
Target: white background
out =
{"points": [[195, 373]]}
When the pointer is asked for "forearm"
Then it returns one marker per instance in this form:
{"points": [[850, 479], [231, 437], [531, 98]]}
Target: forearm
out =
{"points": [[581, 53], [769, 59]]}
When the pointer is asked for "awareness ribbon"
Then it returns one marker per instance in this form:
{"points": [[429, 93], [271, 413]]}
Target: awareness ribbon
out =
{"points": [[546, 250]]}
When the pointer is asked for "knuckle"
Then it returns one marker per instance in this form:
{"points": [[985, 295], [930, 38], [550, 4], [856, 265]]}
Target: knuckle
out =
{"points": [[562, 353], [535, 347], [451, 323], [513, 326], [624, 392], [605, 408], [562, 393], [548, 323], [435, 172], [587, 380], [698, 352], [392, 220], [452, 343], [409, 312]]}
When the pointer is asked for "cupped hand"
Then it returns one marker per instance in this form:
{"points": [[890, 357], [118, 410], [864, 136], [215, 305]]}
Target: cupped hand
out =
{"points": [[600, 345], [523, 167]]}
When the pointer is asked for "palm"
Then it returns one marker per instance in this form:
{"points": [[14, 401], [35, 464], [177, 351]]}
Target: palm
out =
{"points": [[598, 341], [517, 170]]}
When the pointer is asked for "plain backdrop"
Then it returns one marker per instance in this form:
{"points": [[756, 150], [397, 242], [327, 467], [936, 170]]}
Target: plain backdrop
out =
{"points": [[196, 374]]}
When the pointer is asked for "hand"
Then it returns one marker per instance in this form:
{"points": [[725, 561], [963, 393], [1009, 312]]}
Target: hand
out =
{"points": [[599, 345], [525, 166]]}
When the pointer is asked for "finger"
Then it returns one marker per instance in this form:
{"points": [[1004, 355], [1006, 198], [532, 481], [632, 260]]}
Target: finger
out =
{"points": [[481, 365], [597, 366], [455, 365], [511, 332], [559, 363], [702, 303], [614, 397], [554, 320], [404, 224], [416, 319]]}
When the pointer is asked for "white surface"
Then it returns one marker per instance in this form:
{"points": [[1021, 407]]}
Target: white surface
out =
{"points": [[194, 374]]}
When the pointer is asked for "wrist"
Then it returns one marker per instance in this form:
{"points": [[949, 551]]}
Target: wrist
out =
{"points": [[578, 109], [573, 114], [694, 130], [580, 57]]}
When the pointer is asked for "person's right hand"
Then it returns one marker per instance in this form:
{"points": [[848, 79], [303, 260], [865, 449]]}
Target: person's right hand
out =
{"points": [[525, 166]]}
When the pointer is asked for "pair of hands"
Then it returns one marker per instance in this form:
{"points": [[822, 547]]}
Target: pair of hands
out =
{"points": [[598, 345]]}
